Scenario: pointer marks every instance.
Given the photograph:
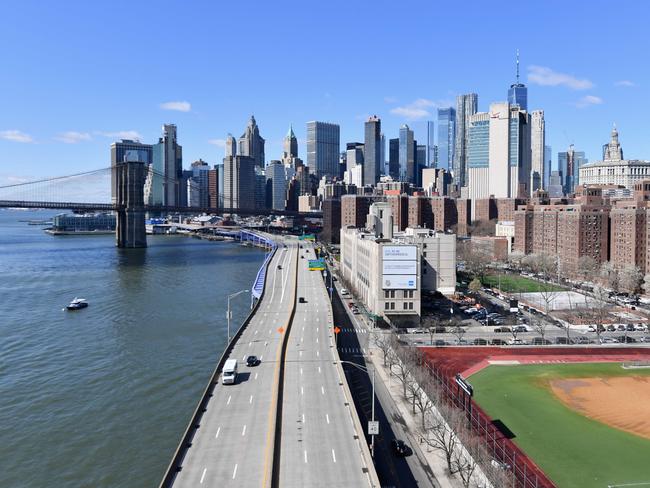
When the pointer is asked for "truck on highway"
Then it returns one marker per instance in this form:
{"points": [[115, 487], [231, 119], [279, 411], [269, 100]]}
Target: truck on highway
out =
{"points": [[229, 374]]}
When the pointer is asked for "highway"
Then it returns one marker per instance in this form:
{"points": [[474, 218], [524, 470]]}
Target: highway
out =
{"points": [[234, 444], [320, 444]]}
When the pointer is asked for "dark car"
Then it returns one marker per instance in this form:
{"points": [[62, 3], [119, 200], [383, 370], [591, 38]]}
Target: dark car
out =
{"points": [[611, 328], [626, 339], [502, 329], [539, 341], [301, 300], [279, 266], [629, 327], [252, 361], [563, 340], [399, 447], [498, 342], [439, 343], [480, 342]]}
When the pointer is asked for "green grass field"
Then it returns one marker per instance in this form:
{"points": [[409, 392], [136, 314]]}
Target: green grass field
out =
{"points": [[573, 450], [518, 284]]}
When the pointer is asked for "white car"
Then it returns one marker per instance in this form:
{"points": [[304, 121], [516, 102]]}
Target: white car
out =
{"points": [[640, 328], [344, 292]]}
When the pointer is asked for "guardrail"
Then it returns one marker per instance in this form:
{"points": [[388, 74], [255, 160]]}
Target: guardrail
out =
{"points": [[186, 441]]}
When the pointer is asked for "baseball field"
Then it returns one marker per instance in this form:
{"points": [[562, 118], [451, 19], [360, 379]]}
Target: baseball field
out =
{"points": [[584, 424]]}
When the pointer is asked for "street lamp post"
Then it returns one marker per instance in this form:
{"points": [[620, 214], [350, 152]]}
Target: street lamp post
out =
{"points": [[362, 368], [229, 313]]}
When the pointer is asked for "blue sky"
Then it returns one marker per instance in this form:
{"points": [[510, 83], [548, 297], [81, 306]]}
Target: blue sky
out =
{"points": [[77, 75]]}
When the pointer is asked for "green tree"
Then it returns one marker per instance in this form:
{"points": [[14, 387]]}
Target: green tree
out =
{"points": [[475, 285]]}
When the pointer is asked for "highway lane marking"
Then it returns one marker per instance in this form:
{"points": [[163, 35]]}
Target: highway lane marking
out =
{"points": [[244, 358], [228, 402], [243, 431], [217, 434], [305, 456], [255, 375], [300, 353], [302, 390], [300, 371], [317, 340], [234, 473], [255, 332], [303, 418], [250, 344], [261, 357], [319, 369], [250, 400], [316, 327], [203, 475], [322, 390], [327, 417], [333, 455], [318, 353]]}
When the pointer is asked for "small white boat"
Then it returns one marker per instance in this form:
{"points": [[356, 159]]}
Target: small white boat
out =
{"points": [[77, 303]]}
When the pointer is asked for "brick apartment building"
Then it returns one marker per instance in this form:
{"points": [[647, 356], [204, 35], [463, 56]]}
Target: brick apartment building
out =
{"points": [[355, 208], [629, 229], [568, 231], [331, 220]]}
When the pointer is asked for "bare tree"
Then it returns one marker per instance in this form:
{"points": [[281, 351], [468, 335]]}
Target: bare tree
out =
{"points": [[439, 435], [458, 332], [600, 309], [464, 460], [515, 258], [382, 341], [610, 275], [402, 369], [646, 284], [539, 326], [427, 393], [475, 285], [631, 279], [587, 268]]}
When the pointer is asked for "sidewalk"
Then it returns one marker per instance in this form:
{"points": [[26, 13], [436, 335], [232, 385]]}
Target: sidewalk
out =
{"points": [[431, 460]]}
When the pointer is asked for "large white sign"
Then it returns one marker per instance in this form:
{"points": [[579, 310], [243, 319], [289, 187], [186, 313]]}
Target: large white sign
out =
{"points": [[400, 268], [399, 282], [400, 253]]}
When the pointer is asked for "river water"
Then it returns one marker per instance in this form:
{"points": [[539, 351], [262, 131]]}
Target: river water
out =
{"points": [[100, 397]]}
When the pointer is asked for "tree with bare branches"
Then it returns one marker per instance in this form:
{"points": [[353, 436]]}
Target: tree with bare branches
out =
{"points": [[610, 276], [439, 434], [631, 279], [383, 343], [464, 460], [587, 268]]}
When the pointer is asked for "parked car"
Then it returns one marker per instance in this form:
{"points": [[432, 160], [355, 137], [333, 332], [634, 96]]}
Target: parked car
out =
{"points": [[621, 327], [439, 342], [582, 340], [480, 342], [520, 328], [626, 339], [629, 327], [344, 292], [608, 340], [399, 447], [539, 341], [502, 329], [497, 342], [563, 340], [640, 328], [516, 342], [611, 328]]}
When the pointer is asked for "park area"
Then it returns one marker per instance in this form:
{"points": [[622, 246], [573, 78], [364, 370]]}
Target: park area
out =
{"points": [[583, 424], [517, 284]]}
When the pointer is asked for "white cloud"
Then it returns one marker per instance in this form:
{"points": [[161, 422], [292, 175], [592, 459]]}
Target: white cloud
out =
{"points": [[72, 137], [588, 101], [15, 136], [626, 83], [419, 109], [541, 75], [178, 106], [217, 142], [390, 99], [122, 134]]}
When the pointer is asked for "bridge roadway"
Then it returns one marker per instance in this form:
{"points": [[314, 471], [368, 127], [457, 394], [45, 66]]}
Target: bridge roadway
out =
{"points": [[319, 444], [233, 447]]}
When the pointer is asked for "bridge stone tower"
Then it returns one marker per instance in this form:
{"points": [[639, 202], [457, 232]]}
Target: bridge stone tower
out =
{"points": [[129, 182]]}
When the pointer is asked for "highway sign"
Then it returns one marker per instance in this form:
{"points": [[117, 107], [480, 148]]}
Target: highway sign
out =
{"points": [[337, 330], [373, 427], [280, 330]]}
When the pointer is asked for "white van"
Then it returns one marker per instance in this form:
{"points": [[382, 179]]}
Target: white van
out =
{"points": [[229, 374], [344, 291]]}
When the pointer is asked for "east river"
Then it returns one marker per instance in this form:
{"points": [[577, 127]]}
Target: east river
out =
{"points": [[100, 397]]}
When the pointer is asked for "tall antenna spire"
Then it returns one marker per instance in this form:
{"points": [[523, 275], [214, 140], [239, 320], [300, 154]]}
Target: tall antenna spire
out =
{"points": [[517, 66]]}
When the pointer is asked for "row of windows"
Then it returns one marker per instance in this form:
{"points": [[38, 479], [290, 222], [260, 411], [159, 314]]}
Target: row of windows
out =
{"points": [[391, 305], [405, 294]]}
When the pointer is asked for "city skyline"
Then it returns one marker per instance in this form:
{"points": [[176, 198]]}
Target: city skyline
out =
{"points": [[66, 125]]}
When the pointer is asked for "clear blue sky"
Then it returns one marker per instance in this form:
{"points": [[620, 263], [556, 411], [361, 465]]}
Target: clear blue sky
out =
{"points": [[75, 74]]}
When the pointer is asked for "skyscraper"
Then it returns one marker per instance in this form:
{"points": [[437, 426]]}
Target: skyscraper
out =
{"points": [[382, 155], [355, 163], [167, 161], [135, 150], [323, 147], [548, 161], [231, 146], [430, 146], [372, 151], [569, 163], [478, 157], [252, 144], [518, 93], [406, 154], [446, 137], [393, 159], [290, 146], [239, 182], [466, 106], [537, 143], [420, 162]]}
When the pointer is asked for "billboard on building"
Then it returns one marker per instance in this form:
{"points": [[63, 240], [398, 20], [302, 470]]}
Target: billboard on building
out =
{"points": [[399, 282], [400, 268], [400, 253]]}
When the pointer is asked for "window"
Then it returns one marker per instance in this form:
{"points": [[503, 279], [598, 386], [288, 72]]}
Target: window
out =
{"points": [[410, 305], [392, 306], [386, 294], [405, 305], [387, 306]]}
